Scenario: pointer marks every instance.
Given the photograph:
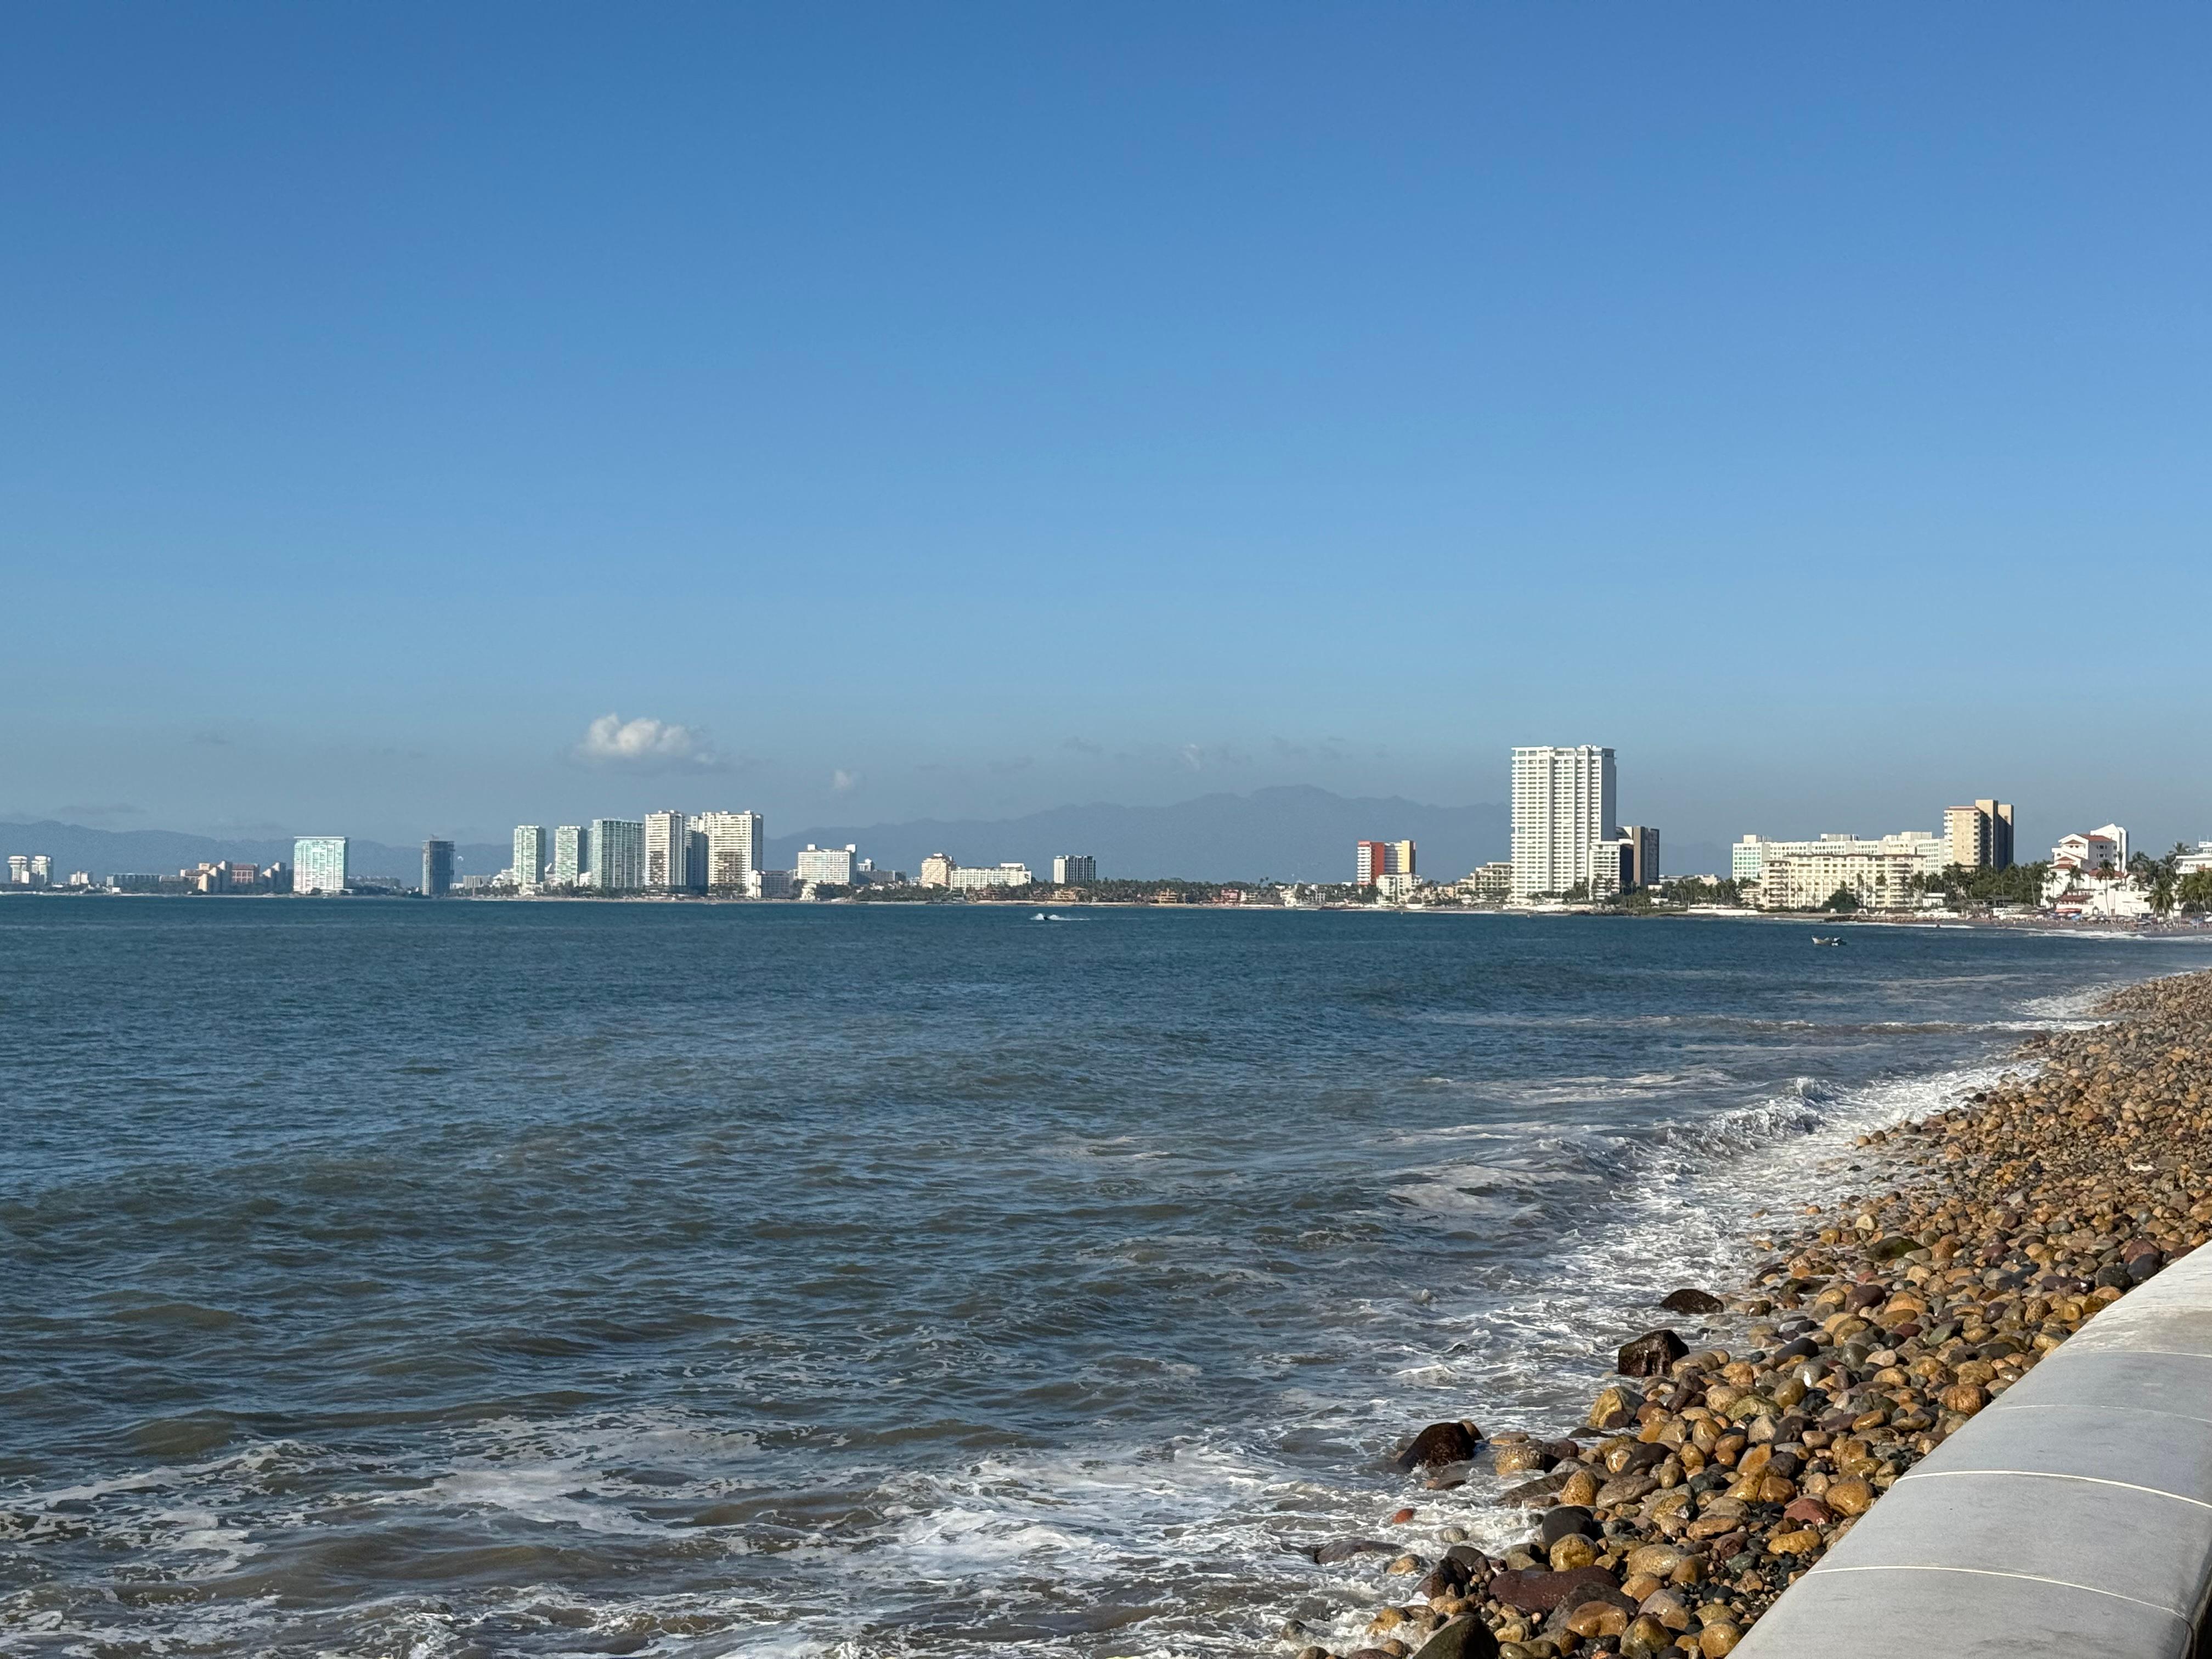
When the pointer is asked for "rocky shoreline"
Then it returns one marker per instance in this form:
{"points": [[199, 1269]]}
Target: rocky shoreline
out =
{"points": [[1705, 1481]]}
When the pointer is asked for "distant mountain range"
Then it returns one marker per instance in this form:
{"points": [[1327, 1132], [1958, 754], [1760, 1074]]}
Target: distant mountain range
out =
{"points": [[1293, 831]]}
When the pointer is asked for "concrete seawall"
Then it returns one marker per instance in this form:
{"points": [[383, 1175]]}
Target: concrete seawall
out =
{"points": [[2073, 1516]]}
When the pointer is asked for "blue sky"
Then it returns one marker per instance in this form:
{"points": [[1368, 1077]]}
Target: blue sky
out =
{"points": [[966, 409]]}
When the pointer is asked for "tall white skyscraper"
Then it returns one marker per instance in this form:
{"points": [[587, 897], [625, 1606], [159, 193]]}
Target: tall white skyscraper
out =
{"points": [[668, 852], [736, 847], [617, 855], [320, 864], [530, 856], [572, 854], [1563, 807]]}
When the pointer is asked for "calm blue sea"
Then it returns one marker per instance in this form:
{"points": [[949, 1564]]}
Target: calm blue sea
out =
{"points": [[384, 1277]]}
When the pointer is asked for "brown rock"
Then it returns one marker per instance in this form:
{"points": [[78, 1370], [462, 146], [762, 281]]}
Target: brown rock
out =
{"points": [[1538, 1590], [1852, 1497], [1615, 1407]]}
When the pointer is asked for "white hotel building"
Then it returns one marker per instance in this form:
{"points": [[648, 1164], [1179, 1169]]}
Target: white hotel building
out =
{"points": [[1564, 808], [1804, 875]]}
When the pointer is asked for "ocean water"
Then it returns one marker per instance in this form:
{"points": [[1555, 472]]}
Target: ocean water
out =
{"points": [[383, 1278]]}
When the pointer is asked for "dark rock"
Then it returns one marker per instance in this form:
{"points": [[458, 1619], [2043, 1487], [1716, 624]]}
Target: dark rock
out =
{"points": [[2141, 1268], [1566, 1520], [1691, 1301], [2116, 1276], [1540, 1590], [1472, 1560], [1437, 1446], [1650, 1354], [1343, 1549], [1465, 1638], [1448, 1577]]}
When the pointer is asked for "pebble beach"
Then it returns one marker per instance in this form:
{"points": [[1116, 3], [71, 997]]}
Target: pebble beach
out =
{"points": [[1750, 1427]]}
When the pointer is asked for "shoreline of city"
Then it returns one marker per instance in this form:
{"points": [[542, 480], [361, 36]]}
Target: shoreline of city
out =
{"points": [[1570, 854], [1728, 1456]]}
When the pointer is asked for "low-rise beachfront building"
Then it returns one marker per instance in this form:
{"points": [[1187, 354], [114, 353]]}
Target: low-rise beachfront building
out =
{"points": [[975, 878], [1488, 884], [2102, 848], [1397, 885], [2096, 896], [941, 870], [830, 865], [2195, 863], [1804, 875]]}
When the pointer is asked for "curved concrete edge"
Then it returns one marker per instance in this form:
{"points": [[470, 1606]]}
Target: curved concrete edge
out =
{"points": [[2072, 1516]]}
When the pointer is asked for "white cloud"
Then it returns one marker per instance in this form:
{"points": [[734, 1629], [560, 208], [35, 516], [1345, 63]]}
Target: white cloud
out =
{"points": [[645, 745], [841, 781]]}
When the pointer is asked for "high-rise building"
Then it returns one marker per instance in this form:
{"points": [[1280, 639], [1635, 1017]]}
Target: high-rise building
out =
{"points": [[572, 855], [1074, 870], [19, 869], [937, 870], [1980, 836], [321, 863], [618, 855], [736, 849], [668, 852], [1371, 860], [1642, 841], [530, 855], [831, 865], [1563, 808], [437, 868]]}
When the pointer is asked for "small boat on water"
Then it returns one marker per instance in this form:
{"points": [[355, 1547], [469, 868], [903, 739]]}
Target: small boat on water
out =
{"points": [[1827, 939]]}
